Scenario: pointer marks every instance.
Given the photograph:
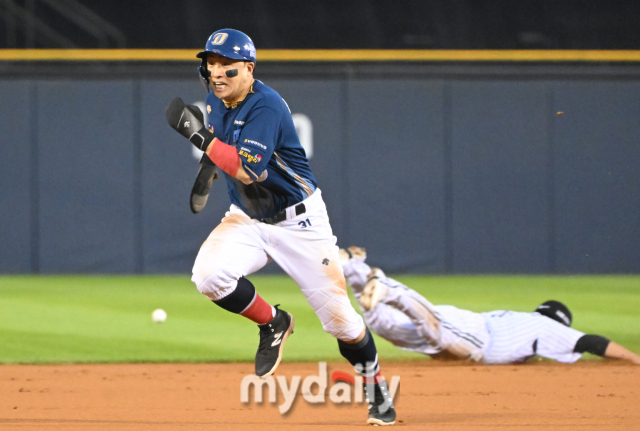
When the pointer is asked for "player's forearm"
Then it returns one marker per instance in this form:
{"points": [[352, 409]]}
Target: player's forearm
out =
{"points": [[242, 175], [616, 351], [418, 310], [601, 346], [231, 162], [226, 158]]}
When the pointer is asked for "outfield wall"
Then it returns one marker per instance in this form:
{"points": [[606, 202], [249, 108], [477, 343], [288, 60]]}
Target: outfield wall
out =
{"points": [[465, 169]]}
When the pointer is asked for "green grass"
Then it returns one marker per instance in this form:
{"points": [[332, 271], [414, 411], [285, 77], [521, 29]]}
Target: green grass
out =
{"points": [[62, 319]]}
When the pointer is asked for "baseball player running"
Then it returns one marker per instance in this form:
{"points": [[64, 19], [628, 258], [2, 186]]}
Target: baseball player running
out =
{"points": [[277, 213], [409, 321]]}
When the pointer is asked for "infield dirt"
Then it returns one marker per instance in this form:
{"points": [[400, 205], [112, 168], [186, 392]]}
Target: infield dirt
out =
{"points": [[432, 395]]}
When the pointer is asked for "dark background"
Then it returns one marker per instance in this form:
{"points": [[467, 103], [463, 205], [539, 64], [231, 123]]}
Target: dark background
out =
{"points": [[417, 24]]}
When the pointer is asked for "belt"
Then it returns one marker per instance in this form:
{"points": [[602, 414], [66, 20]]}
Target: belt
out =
{"points": [[282, 215]]}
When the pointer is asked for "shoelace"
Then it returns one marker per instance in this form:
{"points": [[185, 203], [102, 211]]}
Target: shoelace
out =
{"points": [[266, 331], [265, 336]]}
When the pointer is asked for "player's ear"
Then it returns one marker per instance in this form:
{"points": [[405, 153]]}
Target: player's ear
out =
{"points": [[250, 66]]}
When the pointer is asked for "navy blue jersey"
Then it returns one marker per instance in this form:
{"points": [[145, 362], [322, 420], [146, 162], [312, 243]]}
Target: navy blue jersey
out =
{"points": [[262, 130]]}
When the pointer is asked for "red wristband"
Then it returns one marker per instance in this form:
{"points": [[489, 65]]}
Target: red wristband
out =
{"points": [[224, 156]]}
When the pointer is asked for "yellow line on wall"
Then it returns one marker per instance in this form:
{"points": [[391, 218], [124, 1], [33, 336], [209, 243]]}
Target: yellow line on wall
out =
{"points": [[98, 55], [326, 55], [448, 55]]}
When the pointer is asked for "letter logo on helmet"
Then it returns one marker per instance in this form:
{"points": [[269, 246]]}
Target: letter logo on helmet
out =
{"points": [[218, 38]]}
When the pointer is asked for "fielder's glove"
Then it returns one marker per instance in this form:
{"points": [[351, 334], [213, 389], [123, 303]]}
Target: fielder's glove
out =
{"points": [[189, 122]]}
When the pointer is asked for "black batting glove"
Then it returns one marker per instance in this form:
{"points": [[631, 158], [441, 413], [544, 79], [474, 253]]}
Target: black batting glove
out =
{"points": [[189, 122]]}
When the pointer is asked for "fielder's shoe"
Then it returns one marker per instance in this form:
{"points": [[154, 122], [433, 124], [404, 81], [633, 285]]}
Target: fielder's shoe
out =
{"points": [[272, 337], [374, 290], [381, 411]]}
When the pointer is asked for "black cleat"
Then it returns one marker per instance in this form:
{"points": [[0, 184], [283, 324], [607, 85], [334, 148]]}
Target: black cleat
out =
{"points": [[381, 411], [272, 338]]}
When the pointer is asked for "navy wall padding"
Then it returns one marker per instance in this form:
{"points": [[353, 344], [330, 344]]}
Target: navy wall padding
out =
{"points": [[499, 170], [85, 178], [430, 174], [17, 131], [597, 177], [395, 167]]}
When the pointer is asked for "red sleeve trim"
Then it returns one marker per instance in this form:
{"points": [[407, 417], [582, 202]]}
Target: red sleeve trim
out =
{"points": [[224, 156]]}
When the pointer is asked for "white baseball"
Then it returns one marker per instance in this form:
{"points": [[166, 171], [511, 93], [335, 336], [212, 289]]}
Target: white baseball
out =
{"points": [[159, 315]]}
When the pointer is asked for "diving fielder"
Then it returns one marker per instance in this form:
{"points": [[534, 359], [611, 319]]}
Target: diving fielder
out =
{"points": [[409, 321], [277, 213]]}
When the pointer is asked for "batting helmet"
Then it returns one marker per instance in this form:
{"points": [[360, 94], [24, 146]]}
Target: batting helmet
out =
{"points": [[557, 311], [228, 43]]}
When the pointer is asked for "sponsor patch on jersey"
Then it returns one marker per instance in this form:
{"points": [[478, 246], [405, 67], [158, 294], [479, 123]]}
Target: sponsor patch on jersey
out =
{"points": [[250, 158], [238, 122], [245, 149], [256, 143]]}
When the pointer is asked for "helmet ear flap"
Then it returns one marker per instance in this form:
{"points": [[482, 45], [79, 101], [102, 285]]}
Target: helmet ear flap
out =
{"points": [[205, 74], [204, 70]]}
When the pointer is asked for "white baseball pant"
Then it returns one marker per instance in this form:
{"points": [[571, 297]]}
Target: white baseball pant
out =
{"points": [[303, 246]]}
